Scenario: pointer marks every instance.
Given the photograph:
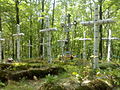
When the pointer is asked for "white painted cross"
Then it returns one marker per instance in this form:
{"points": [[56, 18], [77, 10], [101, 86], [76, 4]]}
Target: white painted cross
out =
{"points": [[84, 44], [1, 39], [109, 44], [43, 44], [48, 35], [96, 22], [18, 34], [62, 42]]}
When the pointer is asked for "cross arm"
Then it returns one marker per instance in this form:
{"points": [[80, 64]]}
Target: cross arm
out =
{"points": [[48, 29], [1, 39], [83, 39], [18, 34], [105, 21], [113, 38], [62, 40]]}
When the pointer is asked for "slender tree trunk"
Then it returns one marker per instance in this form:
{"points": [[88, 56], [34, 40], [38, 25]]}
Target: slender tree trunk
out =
{"points": [[68, 35], [1, 31], [42, 35], [100, 29], [17, 20], [30, 33], [53, 13], [17, 12]]}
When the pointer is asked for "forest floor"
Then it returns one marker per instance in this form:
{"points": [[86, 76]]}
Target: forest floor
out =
{"points": [[75, 75]]}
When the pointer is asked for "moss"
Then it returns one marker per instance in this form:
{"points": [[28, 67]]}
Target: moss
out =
{"points": [[38, 72], [109, 65], [51, 86], [96, 85]]}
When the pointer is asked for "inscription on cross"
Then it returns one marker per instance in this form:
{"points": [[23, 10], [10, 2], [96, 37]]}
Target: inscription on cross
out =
{"points": [[84, 44], [1, 39], [48, 35], [96, 23], [109, 44], [18, 34]]}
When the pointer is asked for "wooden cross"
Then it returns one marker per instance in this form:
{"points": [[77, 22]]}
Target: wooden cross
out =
{"points": [[96, 22], [62, 42], [18, 34], [84, 44], [43, 44], [109, 44], [1, 39], [48, 35]]}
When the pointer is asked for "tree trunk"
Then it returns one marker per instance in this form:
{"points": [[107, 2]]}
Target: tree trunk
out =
{"points": [[68, 35], [42, 35], [17, 20], [53, 13], [17, 12], [30, 33], [100, 30], [2, 56]]}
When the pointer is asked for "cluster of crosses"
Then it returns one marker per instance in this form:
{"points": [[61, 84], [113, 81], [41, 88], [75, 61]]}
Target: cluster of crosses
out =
{"points": [[48, 31], [96, 23]]}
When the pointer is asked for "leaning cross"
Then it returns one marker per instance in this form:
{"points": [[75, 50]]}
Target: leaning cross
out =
{"points": [[84, 44], [18, 34], [48, 35], [109, 44], [96, 22], [1, 39]]}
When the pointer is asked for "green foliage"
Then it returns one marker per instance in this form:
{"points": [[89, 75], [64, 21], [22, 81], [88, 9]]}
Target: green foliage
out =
{"points": [[2, 84], [51, 79]]}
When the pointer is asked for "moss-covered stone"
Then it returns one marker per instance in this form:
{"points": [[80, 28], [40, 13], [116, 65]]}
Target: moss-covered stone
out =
{"points": [[95, 85], [51, 86]]}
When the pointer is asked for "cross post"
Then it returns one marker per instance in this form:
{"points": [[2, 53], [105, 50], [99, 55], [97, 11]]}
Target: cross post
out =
{"points": [[48, 35], [110, 38], [29, 45], [84, 44], [43, 44], [18, 34], [62, 42], [1, 39], [96, 23]]}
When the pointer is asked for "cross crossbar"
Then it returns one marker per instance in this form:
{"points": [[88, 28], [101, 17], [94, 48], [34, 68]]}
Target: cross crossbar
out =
{"points": [[62, 40], [48, 30], [98, 22], [18, 34]]}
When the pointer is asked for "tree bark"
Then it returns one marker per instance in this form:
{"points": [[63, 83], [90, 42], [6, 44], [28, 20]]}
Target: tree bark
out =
{"points": [[1, 31], [42, 35], [53, 13], [17, 21], [100, 30]]}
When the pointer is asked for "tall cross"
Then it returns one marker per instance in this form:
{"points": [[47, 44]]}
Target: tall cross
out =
{"points": [[18, 34], [109, 44], [84, 44], [1, 39], [48, 35], [96, 23]]}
